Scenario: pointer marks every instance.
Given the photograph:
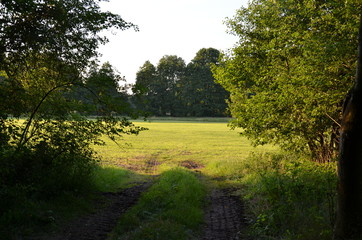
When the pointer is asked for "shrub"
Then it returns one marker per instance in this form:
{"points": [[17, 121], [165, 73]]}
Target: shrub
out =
{"points": [[50, 158], [289, 197]]}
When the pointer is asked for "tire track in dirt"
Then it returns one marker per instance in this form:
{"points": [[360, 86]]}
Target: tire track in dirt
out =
{"points": [[98, 224], [224, 216]]}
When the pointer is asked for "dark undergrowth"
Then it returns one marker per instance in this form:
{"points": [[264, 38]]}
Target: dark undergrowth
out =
{"points": [[289, 198], [25, 212]]}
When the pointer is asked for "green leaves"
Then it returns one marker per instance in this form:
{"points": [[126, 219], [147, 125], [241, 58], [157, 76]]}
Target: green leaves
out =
{"points": [[66, 29], [291, 70], [179, 90]]}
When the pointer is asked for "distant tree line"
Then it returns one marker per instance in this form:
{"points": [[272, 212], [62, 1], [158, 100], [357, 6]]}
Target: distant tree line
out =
{"points": [[101, 92], [173, 88]]}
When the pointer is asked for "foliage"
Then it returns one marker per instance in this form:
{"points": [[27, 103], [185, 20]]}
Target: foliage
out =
{"points": [[160, 213], [289, 73], [145, 89], [66, 30], [101, 92], [56, 159], [199, 94], [157, 87], [289, 198], [172, 88], [45, 47]]}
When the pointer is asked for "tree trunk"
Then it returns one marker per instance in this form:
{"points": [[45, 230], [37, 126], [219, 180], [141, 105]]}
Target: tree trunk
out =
{"points": [[348, 224]]}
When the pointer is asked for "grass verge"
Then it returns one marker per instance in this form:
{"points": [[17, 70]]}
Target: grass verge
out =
{"points": [[171, 209]]}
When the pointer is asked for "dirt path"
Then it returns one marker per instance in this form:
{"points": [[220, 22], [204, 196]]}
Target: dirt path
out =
{"points": [[98, 224], [223, 217]]}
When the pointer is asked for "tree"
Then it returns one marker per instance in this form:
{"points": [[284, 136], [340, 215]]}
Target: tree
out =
{"points": [[179, 90], [66, 30], [289, 73], [53, 36], [45, 47], [200, 95], [104, 92], [349, 209], [146, 88], [158, 86], [170, 70]]}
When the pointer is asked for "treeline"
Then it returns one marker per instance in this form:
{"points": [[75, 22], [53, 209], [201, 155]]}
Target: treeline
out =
{"points": [[101, 91], [173, 88]]}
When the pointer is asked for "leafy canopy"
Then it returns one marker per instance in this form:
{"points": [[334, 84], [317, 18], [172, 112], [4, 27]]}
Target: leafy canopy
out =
{"points": [[67, 30], [45, 49], [290, 71]]}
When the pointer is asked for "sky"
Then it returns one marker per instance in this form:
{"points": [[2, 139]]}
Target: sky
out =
{"points": [[166, 27]]}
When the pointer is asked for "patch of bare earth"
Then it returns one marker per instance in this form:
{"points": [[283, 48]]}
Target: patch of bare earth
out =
{"points": [[224, 216], [191, 164], [98, 224], [143, 164]]}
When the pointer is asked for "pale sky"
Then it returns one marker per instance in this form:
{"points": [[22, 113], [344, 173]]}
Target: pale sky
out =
{"points": [[167, 27]]}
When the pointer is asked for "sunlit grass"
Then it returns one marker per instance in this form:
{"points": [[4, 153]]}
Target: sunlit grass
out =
{"points": [[213, 145]]}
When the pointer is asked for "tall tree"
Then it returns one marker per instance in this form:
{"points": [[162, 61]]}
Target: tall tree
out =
{"points": [[200, 94], [289, 73], [104, 90], [146, 88], [349, 209], [170, 70], [65, 29], [157, 86], [45, 46]]}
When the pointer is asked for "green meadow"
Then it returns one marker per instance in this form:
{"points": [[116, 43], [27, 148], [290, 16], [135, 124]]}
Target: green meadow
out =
{"points": [[188, 158], [214, 148]]}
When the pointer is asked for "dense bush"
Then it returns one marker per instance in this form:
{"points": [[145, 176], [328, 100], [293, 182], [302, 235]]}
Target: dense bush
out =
{"points": [[289, 198], [55, 158]]}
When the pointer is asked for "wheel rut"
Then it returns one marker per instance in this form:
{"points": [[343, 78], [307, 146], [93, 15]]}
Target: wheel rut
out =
{"points": [[224, 216], [101, 221]]}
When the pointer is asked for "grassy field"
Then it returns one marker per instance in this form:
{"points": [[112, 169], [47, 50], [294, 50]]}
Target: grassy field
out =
{"points": [[212, 148]]}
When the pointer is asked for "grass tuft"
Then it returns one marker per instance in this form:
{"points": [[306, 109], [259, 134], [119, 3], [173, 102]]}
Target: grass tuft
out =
{"points": [[111, 178]]}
